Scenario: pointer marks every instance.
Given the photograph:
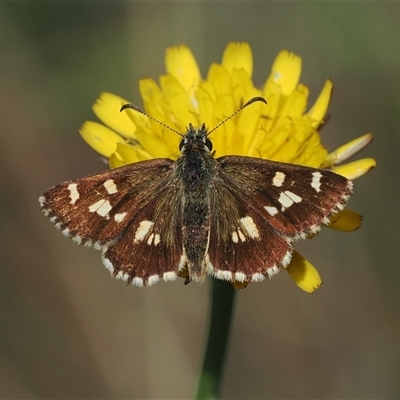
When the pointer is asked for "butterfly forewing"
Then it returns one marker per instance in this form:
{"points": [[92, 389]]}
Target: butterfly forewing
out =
{"points": [[126, 212], [96, 209], [294, 200]]}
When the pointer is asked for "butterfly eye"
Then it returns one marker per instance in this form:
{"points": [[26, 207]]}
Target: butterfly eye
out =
{"points": [[209, 144], [181, 144]]}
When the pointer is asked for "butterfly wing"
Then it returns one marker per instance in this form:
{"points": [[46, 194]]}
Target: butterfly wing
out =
{"points": [[125, 212], [260, 207]]}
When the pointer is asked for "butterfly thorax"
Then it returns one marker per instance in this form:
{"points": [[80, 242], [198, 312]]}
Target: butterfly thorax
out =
{"points": [[196, 165], [196, 168]]}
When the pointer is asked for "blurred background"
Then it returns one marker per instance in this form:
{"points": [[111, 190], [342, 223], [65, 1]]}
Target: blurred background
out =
{"points": [[68, 330]]}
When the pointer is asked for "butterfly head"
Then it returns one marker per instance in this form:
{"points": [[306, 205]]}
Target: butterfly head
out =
{"points": [[196, 139]]}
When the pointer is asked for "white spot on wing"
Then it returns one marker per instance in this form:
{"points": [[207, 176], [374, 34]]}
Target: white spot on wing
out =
{"points": [[142, 230], [250, 227], [73, 192], [241, 236], [286, 260], [153, 279], [272, 271], [97, 245], [294, 197], [119, 217], [169, 276], [153, 239], [119, 275], [257, 277], [101, 207], [316, 181], [235, 237], [271, 210], [66, 232], [107, 263], [278, 179], [224, 275], [182, 262], [238, 236], [150, 239], [240, 276], [110, 186], [287, 198], [77, 239], [137, 282], [123, 276], [42, 201]]}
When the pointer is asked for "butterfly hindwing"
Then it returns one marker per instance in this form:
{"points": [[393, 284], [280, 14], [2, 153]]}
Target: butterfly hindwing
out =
{"points": [[243, 246], [150, 248]]}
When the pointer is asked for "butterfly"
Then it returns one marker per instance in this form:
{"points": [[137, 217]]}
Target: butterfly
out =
{"points": [[232, 217]]}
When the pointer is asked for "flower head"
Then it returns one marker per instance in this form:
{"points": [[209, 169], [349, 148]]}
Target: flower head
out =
{"points": [[284, 130]]}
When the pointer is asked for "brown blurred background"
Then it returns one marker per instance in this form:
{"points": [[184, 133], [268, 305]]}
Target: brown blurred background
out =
{"points": [[67, 330]]}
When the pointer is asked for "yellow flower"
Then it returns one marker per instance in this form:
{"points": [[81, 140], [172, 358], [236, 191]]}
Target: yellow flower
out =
{"points": [[281, 131]]}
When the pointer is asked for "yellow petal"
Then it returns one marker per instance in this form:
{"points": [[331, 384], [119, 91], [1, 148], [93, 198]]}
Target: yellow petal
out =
{"points": [[127, 154], [206, 97], [157, 146], [155, 138], [100, 138], [283, 145], [296, 102], [181, 109], [153, 98], [221, 80], [304, 273], [247, 124], [355, 169], [348, 150], [314, 156], [238, 55], [138, 119], [131, 154], [286, 71], [225, 141], [310, 151], [243, 88], [345, 221], [318, 110], [180, 62], [107, 108], [272, 93], [116, 161]]}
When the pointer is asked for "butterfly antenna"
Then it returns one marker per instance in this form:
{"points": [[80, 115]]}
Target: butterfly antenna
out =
{"points": [[251, 101], [133, 107]]}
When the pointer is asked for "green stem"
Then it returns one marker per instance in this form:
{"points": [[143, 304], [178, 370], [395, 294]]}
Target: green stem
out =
{"points": [[223, 296]]}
